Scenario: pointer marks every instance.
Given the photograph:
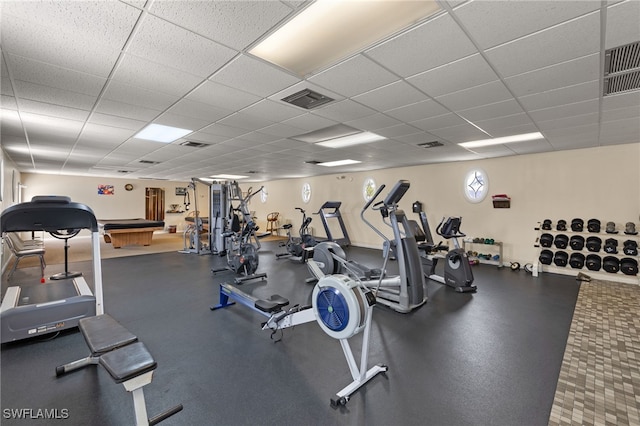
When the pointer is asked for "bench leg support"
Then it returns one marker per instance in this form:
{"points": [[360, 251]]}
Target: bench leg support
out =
{"points": [[76, 365]]}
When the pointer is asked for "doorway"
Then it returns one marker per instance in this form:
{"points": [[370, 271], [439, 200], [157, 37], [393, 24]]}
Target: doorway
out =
{"points": [[154, 204]]}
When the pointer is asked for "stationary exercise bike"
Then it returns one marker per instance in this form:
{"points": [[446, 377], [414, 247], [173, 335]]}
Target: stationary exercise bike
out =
{"points": [[403, 292], [242, 255], [457, 270], [298, 248]]}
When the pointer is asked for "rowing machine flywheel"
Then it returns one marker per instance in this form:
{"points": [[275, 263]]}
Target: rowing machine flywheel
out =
{"points": [[340, 306]]}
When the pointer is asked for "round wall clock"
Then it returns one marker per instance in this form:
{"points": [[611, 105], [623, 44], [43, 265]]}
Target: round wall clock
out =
{"points": [[128, 187]]}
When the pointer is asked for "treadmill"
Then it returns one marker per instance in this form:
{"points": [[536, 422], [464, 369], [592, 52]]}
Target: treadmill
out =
{"points": [[56, 305]]}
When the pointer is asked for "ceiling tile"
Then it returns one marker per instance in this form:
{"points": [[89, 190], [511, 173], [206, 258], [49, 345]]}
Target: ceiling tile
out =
{"points": [[354, 76], [457, 134], [86, 37], [573, 121], [222, 96], [621, 100], [182, 121], [52, 95], [438, 122], [564, 95], [245, 121], [455, 76], [113, 121], [399, 53], [391, 96], [492, 23], [487, 93], [486, 112], [542, 49], [121, 109], [568, 73], [418, 111], [133, 95], [373, 122], [233, 23], [204, 112], [498, 125], [52, 110], [49, 75], [567, 110], [160, 41], [344, 111], [276, 111], [622, 24], [309, 122], [254, 76], [398, 130], [151, 76]]}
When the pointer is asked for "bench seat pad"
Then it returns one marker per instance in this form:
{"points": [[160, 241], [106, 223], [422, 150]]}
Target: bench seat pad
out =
{"points": [[128, 362], [103, 334]]}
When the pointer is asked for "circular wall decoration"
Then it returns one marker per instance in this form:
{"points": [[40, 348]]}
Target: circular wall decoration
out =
{"points": [[368, 189], [263, 194], [306, 193], [476, 185], [128, 187]]}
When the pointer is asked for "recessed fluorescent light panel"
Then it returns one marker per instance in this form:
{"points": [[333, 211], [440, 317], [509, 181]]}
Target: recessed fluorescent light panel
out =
{"points": [[229, 177], [160, 133], [506, 139], [338, 163], [330, 30], [357, 139]]}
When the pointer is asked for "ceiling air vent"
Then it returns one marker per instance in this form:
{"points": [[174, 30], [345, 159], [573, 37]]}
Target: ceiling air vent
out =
{"points": [[430, 144], [124, 171], [622, 69], [191, 144], [313, 162], [148, 162], [307, 99]]}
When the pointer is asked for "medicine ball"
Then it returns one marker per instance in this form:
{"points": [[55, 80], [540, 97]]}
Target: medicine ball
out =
{"points": [[611, 246], [593, 262], [561, 258], [561, 241], [546, 257], [593, 225], [594, 243], [561, 225], [630, 248], [576, 242], [546, 240], [546, 224], [611, 264], [629, 266], [611, 228], [576, 260], [577, 224]]}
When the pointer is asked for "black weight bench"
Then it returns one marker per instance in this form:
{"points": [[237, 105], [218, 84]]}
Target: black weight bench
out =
{"points": [[125, 358]]}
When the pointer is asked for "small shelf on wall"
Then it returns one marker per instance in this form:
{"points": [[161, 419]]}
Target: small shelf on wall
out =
{"points": [[501, 201]]}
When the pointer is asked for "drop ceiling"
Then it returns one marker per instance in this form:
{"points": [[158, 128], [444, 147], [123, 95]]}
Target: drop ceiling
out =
{"points": [[80, 78]]}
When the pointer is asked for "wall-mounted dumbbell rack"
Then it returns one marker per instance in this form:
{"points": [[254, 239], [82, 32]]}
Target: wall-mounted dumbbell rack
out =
{"points": [[619, 237]]}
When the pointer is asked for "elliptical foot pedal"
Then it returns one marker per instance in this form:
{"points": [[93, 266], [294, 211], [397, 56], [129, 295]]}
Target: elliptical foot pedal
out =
{"points": [[583, 277]]}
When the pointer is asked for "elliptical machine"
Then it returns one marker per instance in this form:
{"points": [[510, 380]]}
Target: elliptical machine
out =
{"points": [[403, 292], [242, 255], [457, 270], [298, 248]]}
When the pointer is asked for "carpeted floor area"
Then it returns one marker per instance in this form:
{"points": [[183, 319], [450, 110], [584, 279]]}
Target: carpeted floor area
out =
{"points": [[599, 382], [80, 248]]}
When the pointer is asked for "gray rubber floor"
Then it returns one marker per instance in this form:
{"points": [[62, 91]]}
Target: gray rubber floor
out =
{"points": [[490, 358]]}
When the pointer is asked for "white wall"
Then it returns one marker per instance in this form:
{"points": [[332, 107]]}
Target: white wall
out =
{"points": [[602, 183], [121, 205]]}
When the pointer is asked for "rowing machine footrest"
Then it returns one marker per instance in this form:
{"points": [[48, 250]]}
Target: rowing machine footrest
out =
{"points": [[273, 304], [104, 334], [128, 362]]}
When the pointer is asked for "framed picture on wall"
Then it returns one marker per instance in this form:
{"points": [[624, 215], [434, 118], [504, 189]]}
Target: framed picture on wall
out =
{"points": [[105, 190], [181, 190]]}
